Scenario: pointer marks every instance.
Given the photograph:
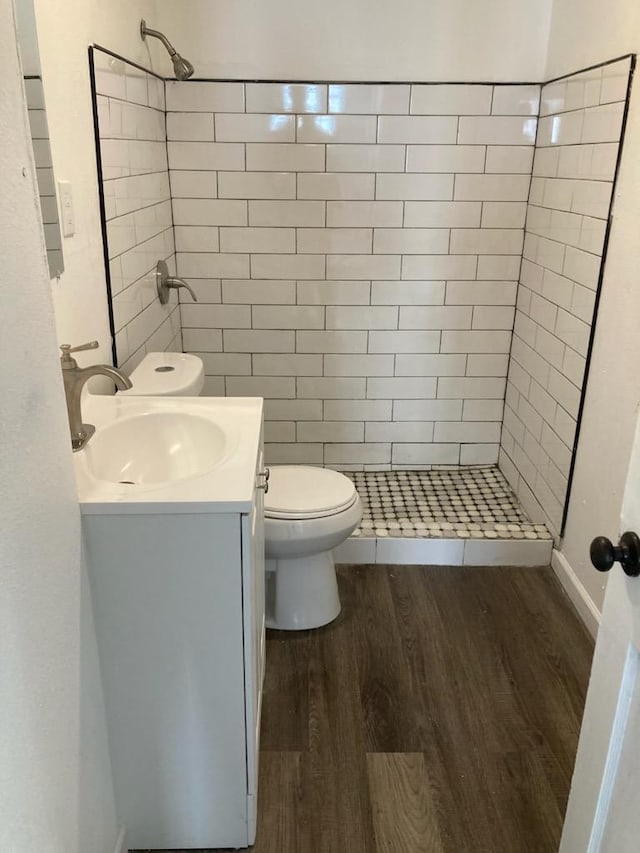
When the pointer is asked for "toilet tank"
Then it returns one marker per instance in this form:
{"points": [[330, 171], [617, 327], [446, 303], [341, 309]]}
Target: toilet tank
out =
{"points": [[167, 374]]}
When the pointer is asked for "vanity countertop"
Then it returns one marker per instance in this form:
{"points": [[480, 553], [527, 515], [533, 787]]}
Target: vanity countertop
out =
{"points": [[227, 486]]}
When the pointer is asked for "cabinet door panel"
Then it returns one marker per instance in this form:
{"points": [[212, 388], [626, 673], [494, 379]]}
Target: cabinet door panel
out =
{"points": [[167, 597]]}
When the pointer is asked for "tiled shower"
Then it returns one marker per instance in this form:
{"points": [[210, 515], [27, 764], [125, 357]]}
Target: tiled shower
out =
{"points": [[368, 290], [358, 252], [581, 125]]}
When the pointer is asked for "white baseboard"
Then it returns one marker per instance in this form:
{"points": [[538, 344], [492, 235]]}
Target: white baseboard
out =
{"points": [[121, 846], [587, 610]]}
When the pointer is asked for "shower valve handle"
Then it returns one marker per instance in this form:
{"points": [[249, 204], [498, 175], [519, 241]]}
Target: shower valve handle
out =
{"points": [[164, 282], [178, 282], [604, 554]]}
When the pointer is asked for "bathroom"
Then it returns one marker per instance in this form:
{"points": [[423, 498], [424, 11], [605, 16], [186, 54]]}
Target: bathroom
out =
{"points": [[54, 730]]}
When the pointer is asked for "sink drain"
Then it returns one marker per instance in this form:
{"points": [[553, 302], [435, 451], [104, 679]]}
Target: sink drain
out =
{"points": [[166, 368], [127, 482]]}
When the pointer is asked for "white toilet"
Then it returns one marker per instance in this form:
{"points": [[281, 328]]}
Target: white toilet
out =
{"points": [[308, 511]]}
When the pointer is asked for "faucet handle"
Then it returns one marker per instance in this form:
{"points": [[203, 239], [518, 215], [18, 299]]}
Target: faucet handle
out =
{"points": [[67, 349]]}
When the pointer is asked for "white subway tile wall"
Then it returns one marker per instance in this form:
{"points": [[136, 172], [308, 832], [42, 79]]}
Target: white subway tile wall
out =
{"points": [[573, 171], [356, 251], [139, 225], [39, 126]]}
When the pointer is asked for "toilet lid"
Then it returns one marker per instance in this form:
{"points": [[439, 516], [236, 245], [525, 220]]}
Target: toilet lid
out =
{"points": [[162, 374], [299, 491]]}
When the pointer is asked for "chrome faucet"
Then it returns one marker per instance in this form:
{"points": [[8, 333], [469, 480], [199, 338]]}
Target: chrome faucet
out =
{"points": [[74, 379]]}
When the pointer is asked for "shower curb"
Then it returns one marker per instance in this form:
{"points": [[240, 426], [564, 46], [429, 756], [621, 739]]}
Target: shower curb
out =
{"points": [[444, 552]]}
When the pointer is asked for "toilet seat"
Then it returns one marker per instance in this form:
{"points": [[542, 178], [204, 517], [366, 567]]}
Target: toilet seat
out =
{"points": [[301, 516], [298, 492]]}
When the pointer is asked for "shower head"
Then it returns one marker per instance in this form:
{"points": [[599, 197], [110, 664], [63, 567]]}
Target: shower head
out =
{"points": [[183, 69]]}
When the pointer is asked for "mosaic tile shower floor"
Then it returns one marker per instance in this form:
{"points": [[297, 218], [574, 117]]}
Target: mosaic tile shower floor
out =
{"points": [[465, 503]]}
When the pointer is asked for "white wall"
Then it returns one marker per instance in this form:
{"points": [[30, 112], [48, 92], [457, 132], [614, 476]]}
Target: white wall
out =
{"points": [[55, 782], [454, 40], [584, 32], [65, 30]]}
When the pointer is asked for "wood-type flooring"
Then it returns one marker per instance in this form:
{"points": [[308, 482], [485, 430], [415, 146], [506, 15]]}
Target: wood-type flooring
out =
{"points": [[439, 714]]}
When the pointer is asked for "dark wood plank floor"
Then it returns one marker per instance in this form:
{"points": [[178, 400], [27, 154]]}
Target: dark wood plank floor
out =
{"points": [[439, 713]]}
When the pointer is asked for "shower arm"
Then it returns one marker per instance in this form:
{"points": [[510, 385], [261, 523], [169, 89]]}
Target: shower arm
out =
{"points": [[146, 31]]}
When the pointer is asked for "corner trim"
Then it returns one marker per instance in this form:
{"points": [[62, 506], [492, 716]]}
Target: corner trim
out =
{"points": [[587, 611], [121, 841]]}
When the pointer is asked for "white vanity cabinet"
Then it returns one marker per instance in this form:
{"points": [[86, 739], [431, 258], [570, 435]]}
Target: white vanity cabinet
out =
{"points": [[178, 599]]}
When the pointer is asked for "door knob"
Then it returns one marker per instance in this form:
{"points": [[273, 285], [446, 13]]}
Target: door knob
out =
{"points": [[604, 553]]}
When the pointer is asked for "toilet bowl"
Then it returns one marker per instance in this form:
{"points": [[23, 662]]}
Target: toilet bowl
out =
{"points": [[167, 374], [308, 512]]}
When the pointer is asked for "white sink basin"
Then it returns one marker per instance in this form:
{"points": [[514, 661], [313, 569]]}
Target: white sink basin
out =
{"points": [[155, 448], [169, 454]]}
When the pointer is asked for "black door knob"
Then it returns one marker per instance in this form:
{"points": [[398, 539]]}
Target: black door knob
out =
{"points": [[604, 553]]}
